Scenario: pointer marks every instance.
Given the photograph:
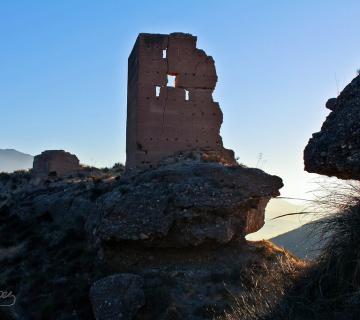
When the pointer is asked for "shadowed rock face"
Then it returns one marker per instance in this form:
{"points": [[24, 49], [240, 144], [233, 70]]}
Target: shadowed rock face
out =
{"points": [[117, 297], [165, 118], [188, 203], [171, 237], [335, 150]]}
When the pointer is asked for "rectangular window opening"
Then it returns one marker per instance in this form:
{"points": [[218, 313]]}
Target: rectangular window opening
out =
{"points": [[171, 80], [186, 94], [164, 54], [157, 91]]}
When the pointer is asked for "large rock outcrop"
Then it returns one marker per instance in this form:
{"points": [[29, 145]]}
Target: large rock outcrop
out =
{"points": [[178, 228], [181, 226], [188, 203], [335, 150]]}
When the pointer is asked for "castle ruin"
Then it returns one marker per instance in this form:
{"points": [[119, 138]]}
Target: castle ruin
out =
{"points": [[170, 106], [55, 163]]}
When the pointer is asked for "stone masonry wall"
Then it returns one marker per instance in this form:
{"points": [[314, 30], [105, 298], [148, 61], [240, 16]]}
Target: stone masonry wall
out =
{"points": [[163, 120], [56, 162]]}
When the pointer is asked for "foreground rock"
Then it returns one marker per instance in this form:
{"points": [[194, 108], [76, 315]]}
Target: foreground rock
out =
{"points": [[199, 283], [187, 204], [335, 150], [117, 297], [179, 229]]}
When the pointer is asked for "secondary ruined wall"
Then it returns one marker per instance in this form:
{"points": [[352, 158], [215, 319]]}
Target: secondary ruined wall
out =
{"points": [[57, 162], [164, 120]]}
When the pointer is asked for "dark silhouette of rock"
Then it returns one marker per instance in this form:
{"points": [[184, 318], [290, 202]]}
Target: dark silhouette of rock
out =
{"points": [[55, 163], [117, 297], [188, 267], [164, 118], [335, 150]]}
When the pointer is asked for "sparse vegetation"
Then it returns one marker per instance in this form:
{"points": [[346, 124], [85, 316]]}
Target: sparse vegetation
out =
{"points": [[264, 285], [331, 288], [4, 177], [328, 288], [118, 167], [13, 181]]}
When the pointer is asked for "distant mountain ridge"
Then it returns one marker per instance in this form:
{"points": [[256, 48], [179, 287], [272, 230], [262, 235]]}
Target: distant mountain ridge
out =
{"points": [[305, 242], [274, 227], [12, 160], [295, 232]]}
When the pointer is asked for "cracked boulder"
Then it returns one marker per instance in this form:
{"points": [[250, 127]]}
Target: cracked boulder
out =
{"points": [[187, 203], [335, 150]]}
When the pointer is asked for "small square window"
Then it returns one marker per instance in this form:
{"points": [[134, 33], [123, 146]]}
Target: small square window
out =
{"points": [[171, 80]]}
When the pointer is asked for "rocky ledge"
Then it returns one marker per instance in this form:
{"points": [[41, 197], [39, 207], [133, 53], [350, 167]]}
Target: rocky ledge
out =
{"points": [[335, 150], [187, 203], [159, 244]]}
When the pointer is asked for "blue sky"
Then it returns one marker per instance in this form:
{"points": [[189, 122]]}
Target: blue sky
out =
{"points": [[63, 72]]}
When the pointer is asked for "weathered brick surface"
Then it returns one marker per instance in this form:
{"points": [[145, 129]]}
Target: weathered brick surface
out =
{"points": [[57, 162], [162, 125]]}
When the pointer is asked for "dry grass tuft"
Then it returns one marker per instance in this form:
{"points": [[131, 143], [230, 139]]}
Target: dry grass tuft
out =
{"points": [[328, 288], [264, 287]]}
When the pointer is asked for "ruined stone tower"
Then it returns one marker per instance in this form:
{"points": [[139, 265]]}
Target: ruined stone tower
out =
{"points": [[56, 162], [164, 118]]}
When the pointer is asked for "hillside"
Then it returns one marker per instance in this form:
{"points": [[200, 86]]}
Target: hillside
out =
{"points": [[274, 227], [11, 160], [160, 268], [304, 242]]}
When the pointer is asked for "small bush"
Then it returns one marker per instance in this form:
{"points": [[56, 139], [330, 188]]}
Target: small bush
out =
{"points": [[118, 167], [4, 177], [330, 288]]}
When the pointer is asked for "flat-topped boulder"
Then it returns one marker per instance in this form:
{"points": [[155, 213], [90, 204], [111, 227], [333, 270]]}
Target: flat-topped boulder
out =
{"points": [[187, 203], [335, 150], [55, 163]]}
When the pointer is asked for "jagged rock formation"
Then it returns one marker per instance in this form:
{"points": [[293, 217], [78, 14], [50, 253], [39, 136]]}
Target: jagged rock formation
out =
{"points": [[335, 150], [163, 118], [55, 163]]}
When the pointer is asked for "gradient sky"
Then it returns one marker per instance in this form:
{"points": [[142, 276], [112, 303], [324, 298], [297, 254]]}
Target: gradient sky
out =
{"points": [[63, 73]]}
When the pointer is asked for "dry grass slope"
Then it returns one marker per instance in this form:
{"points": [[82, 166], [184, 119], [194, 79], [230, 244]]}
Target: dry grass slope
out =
{"points": [[329, 287]]}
